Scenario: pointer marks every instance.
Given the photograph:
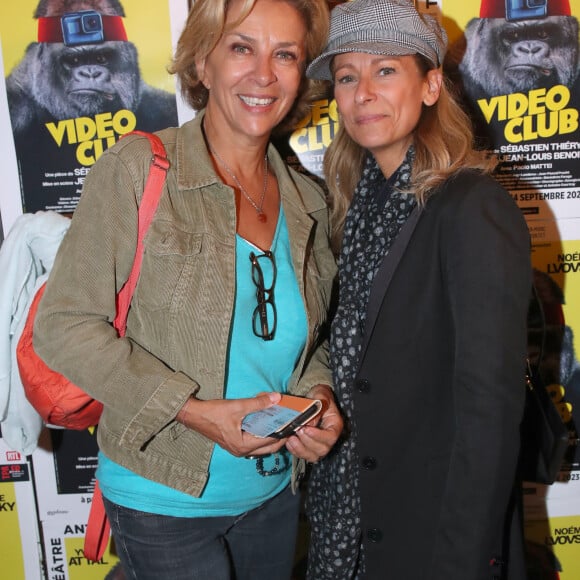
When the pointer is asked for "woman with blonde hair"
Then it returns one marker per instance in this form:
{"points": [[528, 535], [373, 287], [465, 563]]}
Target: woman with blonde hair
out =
{"points": [[228, 313], [429, 340]]}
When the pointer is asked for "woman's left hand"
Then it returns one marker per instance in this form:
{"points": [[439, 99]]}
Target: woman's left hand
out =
{"points": [[313, 442]]}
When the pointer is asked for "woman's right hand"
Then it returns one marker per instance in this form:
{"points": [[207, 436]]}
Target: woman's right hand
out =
{"points": [[221, 421]]}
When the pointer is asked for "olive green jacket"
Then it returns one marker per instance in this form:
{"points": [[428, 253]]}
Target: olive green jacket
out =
{"points": [[179, 323]]}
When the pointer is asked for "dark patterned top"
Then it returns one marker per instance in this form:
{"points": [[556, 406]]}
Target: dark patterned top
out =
{"points": [[375, 217]]}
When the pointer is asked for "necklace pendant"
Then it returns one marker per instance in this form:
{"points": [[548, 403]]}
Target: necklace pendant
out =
{"points": [[262, 217]]}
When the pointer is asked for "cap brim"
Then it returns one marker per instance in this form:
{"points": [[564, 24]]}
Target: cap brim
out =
{"points": [[319, 68]]}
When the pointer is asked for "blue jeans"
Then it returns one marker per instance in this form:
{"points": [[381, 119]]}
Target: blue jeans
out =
{"points": [[256, 545]]}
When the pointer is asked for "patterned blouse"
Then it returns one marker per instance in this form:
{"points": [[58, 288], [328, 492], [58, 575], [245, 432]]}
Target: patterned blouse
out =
{"points": [[377, 212]]}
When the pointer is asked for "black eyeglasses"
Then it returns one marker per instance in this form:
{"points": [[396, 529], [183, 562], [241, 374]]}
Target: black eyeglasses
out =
{"points": [[265, 316]]}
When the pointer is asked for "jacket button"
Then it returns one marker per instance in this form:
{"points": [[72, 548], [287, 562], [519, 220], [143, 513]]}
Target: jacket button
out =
{"points": [[369, 462], [374, 535], [363, 386]]}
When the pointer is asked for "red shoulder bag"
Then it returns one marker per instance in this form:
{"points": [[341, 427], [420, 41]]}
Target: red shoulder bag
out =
{"points": [[60, 402]]}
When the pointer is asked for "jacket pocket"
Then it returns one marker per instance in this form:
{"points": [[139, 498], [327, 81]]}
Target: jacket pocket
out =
{"points": [[168, 250]]}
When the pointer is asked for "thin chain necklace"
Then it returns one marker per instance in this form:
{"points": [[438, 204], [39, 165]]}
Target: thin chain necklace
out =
{"points": [[257, 206]]}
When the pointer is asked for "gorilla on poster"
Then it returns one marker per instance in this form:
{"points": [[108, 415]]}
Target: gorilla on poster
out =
{"points": [[75, 92], [520, 50], [518, 69]]}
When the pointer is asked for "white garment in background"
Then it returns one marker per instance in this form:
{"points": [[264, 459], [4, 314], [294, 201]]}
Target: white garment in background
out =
{"points": [[26, 257]]}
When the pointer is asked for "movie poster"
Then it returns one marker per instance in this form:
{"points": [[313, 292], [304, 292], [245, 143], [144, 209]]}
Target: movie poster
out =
{"points": [[65, 558], [552, 548], [20, 550], [515, 65], [76, 82], [552, 342], [517, 69], [10, 203], [64, 469]]}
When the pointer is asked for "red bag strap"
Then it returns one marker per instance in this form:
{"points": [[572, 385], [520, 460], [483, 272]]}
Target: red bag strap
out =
{"points": [[147, 209], [98, 527]]}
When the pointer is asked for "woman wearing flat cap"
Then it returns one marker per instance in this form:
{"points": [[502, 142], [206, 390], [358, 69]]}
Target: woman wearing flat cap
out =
{"points": [[429, 341]]}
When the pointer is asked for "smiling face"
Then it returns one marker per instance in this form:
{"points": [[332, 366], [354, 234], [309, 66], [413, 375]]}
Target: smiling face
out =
{"points": [[254, 72], [380, 99]]}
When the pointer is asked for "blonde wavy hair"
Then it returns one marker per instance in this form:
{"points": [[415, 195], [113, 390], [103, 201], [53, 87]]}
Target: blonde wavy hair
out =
{"points": [[206, 24], [444, 144]]}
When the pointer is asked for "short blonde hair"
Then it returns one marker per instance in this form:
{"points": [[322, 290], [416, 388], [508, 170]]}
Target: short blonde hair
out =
{"points": [[206, 24]]}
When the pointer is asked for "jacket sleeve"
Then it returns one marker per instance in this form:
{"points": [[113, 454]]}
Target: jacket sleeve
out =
{"points": [[486, 265], [73, 330], [317, 371], [317, 368]]}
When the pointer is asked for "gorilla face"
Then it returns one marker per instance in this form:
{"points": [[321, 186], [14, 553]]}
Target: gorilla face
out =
{"points": [[55, 81], [82, 80], [505, 57], [85, 80], [536, 54]]}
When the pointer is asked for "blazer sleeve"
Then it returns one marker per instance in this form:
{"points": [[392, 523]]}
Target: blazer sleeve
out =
{"points": [[486, 265]]}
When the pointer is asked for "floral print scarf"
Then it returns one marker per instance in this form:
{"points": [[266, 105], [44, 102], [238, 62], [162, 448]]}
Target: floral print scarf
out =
{"points": [[375, 217]]}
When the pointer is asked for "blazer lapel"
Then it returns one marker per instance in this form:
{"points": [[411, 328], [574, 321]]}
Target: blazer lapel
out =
{"points": [[385, 274]]}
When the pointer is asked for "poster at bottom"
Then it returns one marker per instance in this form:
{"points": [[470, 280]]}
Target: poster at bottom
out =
{"points": [[553, 548], [20, 553], [64, 466], [65, 558]]}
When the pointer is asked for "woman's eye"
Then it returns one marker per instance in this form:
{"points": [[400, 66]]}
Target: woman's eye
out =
{"points": [[344, 79], [385, 71], [240, 49], [287, 55]]}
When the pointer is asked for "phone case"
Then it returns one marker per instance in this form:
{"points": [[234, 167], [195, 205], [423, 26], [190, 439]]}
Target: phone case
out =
{"points": [[283, 419]]}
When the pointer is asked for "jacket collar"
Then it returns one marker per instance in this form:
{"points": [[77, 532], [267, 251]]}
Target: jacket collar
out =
{"points": [[195, 170]]}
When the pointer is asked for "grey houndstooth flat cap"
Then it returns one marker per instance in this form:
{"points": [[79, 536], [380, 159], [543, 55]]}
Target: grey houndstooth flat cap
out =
{"points": [[390, 27]]}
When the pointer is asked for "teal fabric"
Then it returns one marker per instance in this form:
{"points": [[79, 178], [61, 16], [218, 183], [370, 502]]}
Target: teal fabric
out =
{"points": [[254, 366]]}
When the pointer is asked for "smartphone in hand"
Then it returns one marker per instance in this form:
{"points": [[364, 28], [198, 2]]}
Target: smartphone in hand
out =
{"points": [[282, 420]]}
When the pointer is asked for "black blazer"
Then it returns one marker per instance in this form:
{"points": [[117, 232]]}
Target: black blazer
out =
{"points": [[440, 389]]}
